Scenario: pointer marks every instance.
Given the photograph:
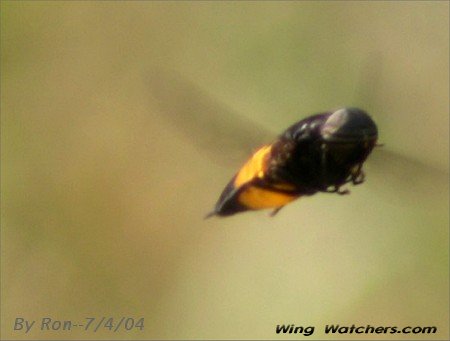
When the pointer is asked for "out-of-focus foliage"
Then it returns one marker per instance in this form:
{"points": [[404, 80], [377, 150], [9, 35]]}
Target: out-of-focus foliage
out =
{"points": [[103, 193]]}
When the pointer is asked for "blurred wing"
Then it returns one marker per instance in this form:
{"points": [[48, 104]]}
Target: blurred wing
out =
{"points": [[403, 178], [369, 83], [229, 138], [216, 130]]}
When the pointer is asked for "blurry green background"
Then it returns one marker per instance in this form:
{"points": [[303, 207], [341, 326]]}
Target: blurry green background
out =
{"points": [[103, 198]]}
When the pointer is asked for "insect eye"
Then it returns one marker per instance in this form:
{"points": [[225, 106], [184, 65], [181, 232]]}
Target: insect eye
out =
{"points": [[349, 124]]}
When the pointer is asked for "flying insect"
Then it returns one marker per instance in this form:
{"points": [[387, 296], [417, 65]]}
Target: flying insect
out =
{"points": [[320, 153]]}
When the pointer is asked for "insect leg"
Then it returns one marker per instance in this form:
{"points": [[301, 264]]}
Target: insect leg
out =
{"points": [[337, 190], [275, 211], [358, 175], [342, 192], [359, 178], [324, 150]]}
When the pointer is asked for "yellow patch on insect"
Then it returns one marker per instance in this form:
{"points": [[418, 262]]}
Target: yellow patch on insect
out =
{"points": [[254, 167], [259, 198]]}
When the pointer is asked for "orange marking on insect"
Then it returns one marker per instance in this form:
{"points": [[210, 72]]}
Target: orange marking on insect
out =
{"points": [[254, 167], [284, 186], [258, 198]]}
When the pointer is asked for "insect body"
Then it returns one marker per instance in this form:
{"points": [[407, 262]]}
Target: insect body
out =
{"points": [[317, 154]]}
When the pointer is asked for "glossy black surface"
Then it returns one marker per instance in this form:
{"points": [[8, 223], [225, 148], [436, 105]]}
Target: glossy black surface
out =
{"points": [[324, 150]]}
